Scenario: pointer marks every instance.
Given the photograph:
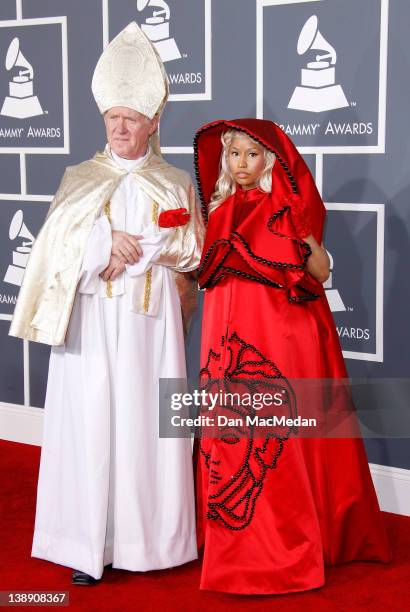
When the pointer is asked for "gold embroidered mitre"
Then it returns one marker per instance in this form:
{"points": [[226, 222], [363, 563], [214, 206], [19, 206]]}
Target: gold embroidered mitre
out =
{"points": [[130, 73]]}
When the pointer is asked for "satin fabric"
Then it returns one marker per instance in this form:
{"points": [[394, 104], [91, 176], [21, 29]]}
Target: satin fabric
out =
{"points": [[273, 513], [275, 255]]}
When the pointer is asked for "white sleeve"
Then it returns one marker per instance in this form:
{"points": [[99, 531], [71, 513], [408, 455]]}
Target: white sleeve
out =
{"points": [[152, 243], [97, 255]]}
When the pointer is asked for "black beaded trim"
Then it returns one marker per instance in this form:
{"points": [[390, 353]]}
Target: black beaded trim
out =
{"points": [[244, 477], [250, 501], [211, 250], [220, 270], [205, 370], [304, 245], [308, 297], [274, 264], [204, 207], [218, 267], [257, 279], [245, 346]]}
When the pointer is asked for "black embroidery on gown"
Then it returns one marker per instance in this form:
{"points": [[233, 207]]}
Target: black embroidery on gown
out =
{"points": [[232, 497]]}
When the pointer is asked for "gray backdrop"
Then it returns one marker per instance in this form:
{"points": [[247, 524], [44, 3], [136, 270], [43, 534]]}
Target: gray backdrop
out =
{"points": [[229, 58]]}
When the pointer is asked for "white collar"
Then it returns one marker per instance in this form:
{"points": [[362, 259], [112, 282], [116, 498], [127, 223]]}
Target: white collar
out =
{"points": [[129, 164]]}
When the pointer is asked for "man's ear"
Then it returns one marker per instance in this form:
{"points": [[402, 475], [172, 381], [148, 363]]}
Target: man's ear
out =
{"points": [[154, 125]]}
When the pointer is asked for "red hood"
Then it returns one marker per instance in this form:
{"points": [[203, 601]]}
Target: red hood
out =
{"points": [[208, 149]]}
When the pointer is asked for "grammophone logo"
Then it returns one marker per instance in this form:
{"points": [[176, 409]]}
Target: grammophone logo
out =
{"points": [[332, 293], [355, 239], [315, 76], [20, 234], [34, 107], [22, 221], [21, 102], [157, 28], [186, 51], [318, 90]]}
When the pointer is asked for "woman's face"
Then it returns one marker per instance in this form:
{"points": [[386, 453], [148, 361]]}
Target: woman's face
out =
{"points": [[246, 161]]}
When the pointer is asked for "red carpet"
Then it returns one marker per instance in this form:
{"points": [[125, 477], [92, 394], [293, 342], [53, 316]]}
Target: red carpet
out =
{"points": [[355, 586]]}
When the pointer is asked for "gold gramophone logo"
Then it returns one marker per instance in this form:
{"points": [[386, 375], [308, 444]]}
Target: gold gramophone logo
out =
{"points": [[333, 296], [318, 91], [156, 28], [18, 229], [21, 102]]}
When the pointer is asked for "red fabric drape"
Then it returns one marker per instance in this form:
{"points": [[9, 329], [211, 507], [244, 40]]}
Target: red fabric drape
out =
{"points": [[272, 512]]}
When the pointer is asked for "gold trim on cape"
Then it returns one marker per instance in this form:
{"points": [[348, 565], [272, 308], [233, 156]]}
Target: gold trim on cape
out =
{"points": [[107, 213]]}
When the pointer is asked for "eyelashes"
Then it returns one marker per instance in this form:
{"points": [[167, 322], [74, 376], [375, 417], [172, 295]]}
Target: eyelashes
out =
{"points": [[251, 154]]}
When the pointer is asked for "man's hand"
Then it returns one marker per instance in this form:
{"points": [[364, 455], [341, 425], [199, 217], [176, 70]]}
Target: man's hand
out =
{"points": [[115, 267], [126, 246]]}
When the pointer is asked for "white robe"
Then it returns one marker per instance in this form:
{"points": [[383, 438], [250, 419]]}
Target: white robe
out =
{"points": [[110, 490]]}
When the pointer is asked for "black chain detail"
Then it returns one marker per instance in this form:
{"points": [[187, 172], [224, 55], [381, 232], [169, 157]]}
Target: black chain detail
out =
{"points": [[220, 270], [273, 264], [205, 371], [245, 275]]}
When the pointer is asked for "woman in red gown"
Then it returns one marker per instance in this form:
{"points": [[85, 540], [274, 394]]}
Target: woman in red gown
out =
{"points": [[272, 511]]}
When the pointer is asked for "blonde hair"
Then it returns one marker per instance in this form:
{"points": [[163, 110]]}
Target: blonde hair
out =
{"points": [[225, 185]]}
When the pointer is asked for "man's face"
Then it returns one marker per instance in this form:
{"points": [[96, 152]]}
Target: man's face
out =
{"points": [[128, 131]]}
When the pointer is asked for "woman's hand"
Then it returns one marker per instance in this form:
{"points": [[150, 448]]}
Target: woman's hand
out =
{"points": [[318, 264], [300, 215], [126, 246]]}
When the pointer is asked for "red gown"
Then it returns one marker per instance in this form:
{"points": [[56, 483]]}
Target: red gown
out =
{"points": [[273, 512]]}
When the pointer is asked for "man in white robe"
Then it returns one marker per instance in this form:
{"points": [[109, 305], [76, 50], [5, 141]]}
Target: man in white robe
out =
{"points": [[110, 490]]}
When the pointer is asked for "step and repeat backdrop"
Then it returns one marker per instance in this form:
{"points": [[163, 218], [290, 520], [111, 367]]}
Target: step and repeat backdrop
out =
{"points": [[326, 71]]}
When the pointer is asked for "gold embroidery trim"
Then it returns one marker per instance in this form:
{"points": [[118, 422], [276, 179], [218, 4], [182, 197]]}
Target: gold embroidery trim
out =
{"points": [[147, 289], [148, 275], [107, 212], [155, 210]]}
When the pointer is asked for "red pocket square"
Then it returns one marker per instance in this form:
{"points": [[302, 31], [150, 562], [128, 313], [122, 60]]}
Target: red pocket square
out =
{"points": [[174, 218]]}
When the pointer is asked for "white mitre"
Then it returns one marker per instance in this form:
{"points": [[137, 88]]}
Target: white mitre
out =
{"points": [[130, 73]]}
